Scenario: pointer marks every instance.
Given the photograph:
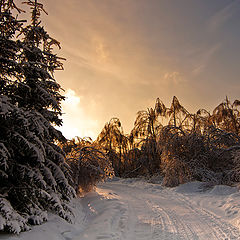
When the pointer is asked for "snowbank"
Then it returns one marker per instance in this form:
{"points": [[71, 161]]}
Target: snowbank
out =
{"points": [[55, 228]]}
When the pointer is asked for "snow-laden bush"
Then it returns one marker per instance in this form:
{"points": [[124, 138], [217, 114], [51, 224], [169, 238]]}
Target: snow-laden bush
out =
{"points": [[177, 144], [89, 164], [192, 155], [234, 175]]}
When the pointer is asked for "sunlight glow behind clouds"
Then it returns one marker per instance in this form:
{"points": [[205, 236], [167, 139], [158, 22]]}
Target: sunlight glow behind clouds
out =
{"points": [[72, 100], [122, 55], [76, 122]]}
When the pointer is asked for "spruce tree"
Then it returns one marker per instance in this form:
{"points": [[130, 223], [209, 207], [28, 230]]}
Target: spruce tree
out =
{"points": [[9, 48], [34, 177]]}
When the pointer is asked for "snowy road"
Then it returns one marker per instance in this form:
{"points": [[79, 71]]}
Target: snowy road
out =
{"points": [[132, 209], [122, 211]]}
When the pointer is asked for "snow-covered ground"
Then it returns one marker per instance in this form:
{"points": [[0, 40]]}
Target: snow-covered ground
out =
{"points": [[132, 209]]}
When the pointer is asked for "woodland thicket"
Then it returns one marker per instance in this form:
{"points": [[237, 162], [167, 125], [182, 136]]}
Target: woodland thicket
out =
{"points": [[177, 145]]}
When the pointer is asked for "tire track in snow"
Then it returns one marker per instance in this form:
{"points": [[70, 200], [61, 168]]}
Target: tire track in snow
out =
{"points": [[138, 214], [170, 223], [154, 222], [221, 229], [139, 226], [208, 225], [162, 223]]}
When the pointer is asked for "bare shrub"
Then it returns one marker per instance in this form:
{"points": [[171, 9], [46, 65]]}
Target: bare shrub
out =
{"points": [[234, 174], [200, 146], [88, 164], [192, 155], [175, 171]]}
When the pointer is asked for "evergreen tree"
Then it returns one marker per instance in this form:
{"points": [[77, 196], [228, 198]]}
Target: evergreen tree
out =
{"points": [[33, 174], [9, 48]]}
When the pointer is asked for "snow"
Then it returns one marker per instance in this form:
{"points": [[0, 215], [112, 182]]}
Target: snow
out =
{"points": [[55, 228], [223, 190], [133, 209]]}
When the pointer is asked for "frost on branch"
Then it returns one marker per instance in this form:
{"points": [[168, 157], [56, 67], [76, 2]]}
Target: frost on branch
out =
{"points": [[88, 164]]}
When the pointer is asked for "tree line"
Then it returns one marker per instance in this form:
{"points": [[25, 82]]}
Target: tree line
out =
{"points": [[178, 145]]}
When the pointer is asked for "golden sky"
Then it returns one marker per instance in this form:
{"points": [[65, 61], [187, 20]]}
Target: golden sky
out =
{"points": [[123, 54]]}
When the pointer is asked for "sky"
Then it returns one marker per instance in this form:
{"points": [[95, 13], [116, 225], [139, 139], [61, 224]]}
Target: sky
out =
{"points": [[123, 54]]}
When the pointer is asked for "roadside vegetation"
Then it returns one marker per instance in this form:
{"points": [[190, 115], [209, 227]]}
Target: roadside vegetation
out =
{"points": [[201, 146]]}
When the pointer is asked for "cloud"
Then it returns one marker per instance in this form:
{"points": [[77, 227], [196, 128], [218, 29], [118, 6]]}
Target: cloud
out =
{"points": [[222, 16], [122, 55], [198, 69], [75, 120], [72, 100], [173, 78], [204, 58], [102, 53]]}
